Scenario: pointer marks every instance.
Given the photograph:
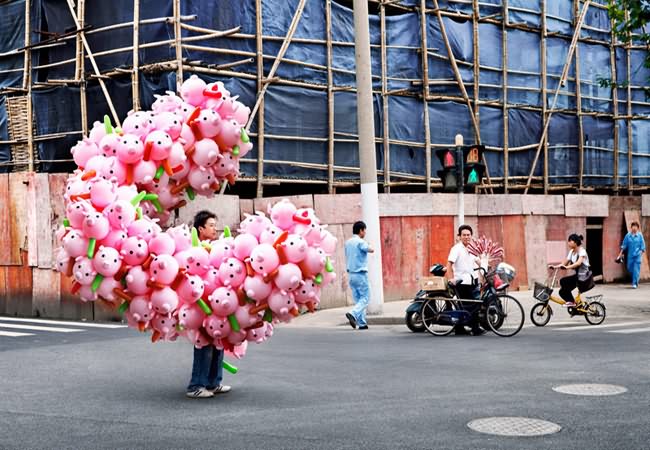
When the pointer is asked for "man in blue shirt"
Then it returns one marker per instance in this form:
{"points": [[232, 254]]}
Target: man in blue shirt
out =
{"points": [[356, 256], [634, 246]]}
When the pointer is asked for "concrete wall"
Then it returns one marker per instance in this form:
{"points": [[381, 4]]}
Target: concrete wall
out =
{"points": [[416, 231]]}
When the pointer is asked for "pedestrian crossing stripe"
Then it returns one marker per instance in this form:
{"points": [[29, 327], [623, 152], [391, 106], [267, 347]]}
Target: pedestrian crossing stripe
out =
{"points": [[631, 330], [13, 326], [61, 322], [13, 334], [607, 325]]}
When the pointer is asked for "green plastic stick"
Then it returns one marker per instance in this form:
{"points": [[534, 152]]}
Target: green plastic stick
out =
{"points": [[229, 367], [195, 238], [226, 231], [157, 205], [96, 282], [233, 323], [328, 265], [150, 197], [180, 327], [66, 222], [138, 198], [123, 307], [204, 306], [235, 150], [138, 211], [91, 247], [159, 173], [318, 279], [244, 136], [107, 124], [123, 281], [190, 193], [268, 315]]}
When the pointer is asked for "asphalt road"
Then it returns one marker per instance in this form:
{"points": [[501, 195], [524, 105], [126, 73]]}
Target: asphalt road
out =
{"points": [[323, 388]]}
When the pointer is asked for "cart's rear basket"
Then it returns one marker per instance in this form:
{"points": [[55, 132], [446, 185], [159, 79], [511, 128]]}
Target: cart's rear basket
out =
{"points": [[542, 292]]}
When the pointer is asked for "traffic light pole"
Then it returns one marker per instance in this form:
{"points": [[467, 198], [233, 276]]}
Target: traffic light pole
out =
{"points": [[461, 179], [367, 157]]}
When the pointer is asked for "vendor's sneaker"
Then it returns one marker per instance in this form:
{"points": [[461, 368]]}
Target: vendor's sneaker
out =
{"points": [[569, 305], [221, 389], [199, 393]]}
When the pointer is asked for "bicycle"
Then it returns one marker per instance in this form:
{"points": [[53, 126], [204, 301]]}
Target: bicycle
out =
{"points": [[497, 311], [591, 308]]}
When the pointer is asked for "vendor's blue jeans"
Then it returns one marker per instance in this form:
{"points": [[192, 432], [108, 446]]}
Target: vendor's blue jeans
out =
{"points": [[634, 267], [361, 296], [207, 369]]}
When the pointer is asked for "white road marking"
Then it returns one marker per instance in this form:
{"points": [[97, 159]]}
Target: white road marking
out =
{"points": [[607, 325], [61, 322], [37, 328], [631, 330], [11, 334]]}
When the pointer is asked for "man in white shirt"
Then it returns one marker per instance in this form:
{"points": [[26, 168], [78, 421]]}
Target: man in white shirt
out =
{"points": [[460, 270]]}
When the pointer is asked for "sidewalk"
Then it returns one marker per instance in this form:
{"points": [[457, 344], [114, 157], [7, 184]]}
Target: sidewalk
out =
{"points": [[622, 303]]}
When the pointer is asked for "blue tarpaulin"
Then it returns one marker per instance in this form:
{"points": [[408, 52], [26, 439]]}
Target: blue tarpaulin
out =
{"points": [[303, 112]]}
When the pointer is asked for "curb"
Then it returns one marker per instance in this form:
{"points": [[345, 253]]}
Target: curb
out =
{"points": [[385, 320]]}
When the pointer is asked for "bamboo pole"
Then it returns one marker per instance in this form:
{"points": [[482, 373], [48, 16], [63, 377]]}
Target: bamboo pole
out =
{"points": [[177, 43], [135, 75], [425, 94], [581, 144], [542, 54], [504, 76], [259, 192], [27, 84], [630, 180], [477, 58], [454, 66], [330, 98], [83, 98], [285, 44], [116, 119], [612, 62], [565, 71], [384, 98]]}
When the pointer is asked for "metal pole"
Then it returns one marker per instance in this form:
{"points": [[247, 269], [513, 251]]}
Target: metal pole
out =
{"points": [[461, 179], [367, 157]]}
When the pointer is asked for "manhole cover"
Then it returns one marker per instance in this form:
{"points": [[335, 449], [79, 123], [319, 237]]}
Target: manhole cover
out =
{"points": [[590, 389], [514, 426]]}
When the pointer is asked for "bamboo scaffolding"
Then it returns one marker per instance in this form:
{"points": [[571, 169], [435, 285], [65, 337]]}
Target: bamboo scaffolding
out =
{"points": [[285, 44], [565, 71], [135, 74], [581, 143], [116, 119], [260, 85], [384, 98], [196, 37], [27, 83], [330, 98]]}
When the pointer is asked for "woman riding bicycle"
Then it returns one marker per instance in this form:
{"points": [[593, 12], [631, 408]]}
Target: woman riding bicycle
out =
{"points": [[577, 260]]}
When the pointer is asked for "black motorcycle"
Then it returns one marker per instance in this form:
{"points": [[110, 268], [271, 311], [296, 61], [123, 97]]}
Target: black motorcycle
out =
{"points": [[414, 311]]}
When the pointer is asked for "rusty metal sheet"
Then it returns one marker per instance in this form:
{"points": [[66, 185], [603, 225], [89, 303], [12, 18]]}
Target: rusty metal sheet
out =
{"points": [[514, 246], [32, 232], [3, 289], [442, 239], [19, 289], [45, 228], [391, 254], [491, 227], [5, 250], [46, 293], [57, 184], [337, 293], [18, 198], [415, 236]]}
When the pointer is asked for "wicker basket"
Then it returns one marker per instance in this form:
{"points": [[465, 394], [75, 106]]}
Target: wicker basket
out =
{"points": [[542, 292]]}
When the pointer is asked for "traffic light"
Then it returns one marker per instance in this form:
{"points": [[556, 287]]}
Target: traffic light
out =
{"points": [[449, 173], [473, 167]]}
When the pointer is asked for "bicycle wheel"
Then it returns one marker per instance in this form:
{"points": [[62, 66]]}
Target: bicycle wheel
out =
{"points": [[431, 316], [596, 314], [540, 314], [504, 315]]}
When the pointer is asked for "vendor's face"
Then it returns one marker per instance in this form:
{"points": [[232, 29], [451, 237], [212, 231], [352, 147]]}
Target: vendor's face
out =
{"points": [[209, 231], [465, 237]]}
